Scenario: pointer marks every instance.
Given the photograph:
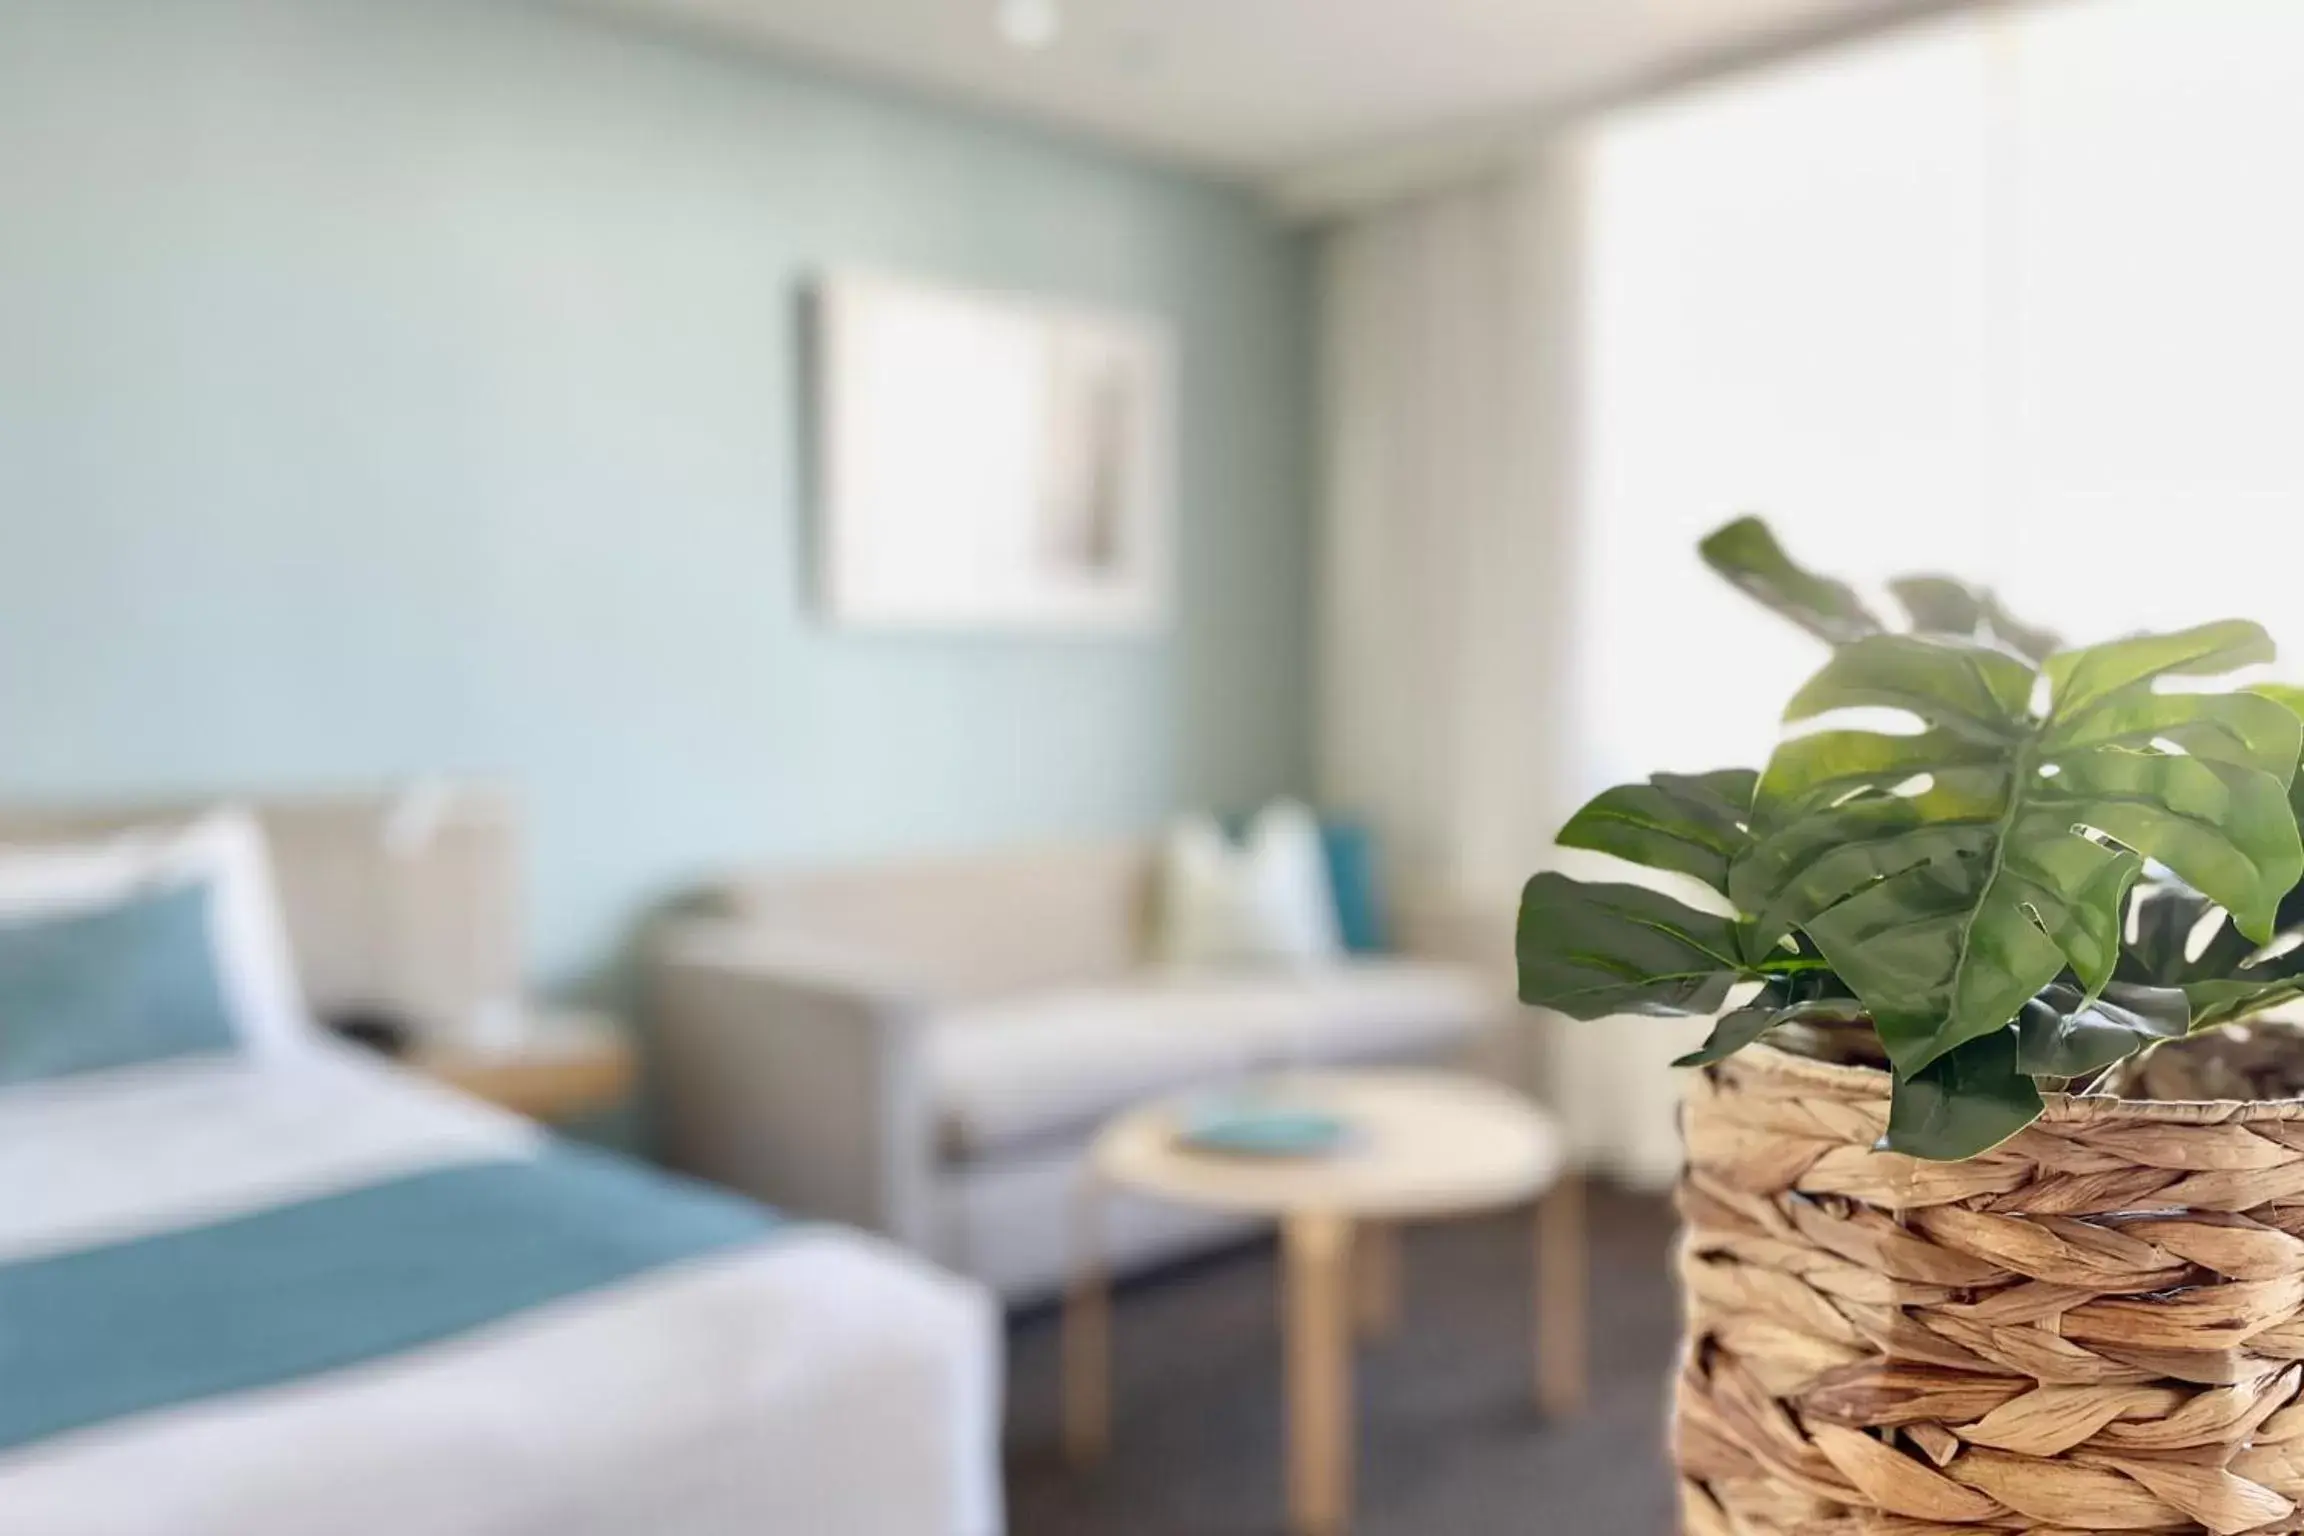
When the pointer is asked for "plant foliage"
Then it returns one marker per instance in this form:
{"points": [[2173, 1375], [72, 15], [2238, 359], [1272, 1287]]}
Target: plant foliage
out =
{"points": [[2049, 861]]}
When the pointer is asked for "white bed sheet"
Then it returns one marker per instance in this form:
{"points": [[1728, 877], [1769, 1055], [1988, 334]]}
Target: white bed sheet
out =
{"points": [[820, 1383]]}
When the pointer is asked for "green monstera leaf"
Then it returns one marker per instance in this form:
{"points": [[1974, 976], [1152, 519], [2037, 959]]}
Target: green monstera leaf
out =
{"points": [[1939, 605], [1691, 824], [1591, 949], [2066, 1033], [1966, 1101], [1812, 998], [1950, 875], [2228, 976], [2290, 698], [1981, 1092], [1747, 554]]}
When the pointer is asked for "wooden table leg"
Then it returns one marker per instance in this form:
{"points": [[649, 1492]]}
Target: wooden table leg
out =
{"points": [[1317, 1252], [1375, 1277], [1087, 1339], [1560, 1302]]}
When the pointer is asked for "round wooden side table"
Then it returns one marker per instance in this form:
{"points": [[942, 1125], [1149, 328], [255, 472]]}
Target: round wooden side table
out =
{"points": [[1423, 1145]]}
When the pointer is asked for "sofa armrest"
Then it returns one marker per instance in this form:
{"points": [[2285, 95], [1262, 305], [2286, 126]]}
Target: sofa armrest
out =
{"points": [[795, 1080]]}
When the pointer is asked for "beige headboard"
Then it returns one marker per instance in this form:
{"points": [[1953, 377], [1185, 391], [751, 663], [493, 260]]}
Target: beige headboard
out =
{"points": [[409, 902]]}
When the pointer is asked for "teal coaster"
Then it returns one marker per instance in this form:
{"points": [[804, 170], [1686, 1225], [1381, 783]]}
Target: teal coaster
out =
{"points": [[1249, 1129]]}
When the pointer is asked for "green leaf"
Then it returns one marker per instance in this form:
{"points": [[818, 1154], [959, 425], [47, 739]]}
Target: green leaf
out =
{"points": [[1742, 1026], [1939, 605], [1807, 865], [1748, 555], [1949, 877], [1967, 690], [2027, 640], [1692, 824], [1966, 1101], [2227, 830], [2225, 981], [1734, 1031], [2229, 1001], [2287, 695], [1590, 949], [1746, 552], [2290, 698], [2065, 1033], [2082, 679], [1817, 771], [2162, 915], [2244, 728]]}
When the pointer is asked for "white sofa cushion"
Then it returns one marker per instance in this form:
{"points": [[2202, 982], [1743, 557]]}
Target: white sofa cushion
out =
{"points": [[1263, 900], [1025, 1071], [1015, 1074]]}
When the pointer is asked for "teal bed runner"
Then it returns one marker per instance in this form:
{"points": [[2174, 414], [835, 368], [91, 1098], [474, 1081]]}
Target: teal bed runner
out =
{"points": [[290, 1291]]}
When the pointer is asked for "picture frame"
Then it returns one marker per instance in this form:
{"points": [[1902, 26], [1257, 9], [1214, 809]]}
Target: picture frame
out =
{"points": [[990, 461]]}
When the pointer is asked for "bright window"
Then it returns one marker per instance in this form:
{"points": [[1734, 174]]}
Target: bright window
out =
{"points": [[2018, 296]]}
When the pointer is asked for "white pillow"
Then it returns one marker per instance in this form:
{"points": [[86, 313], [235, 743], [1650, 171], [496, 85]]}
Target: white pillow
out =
{"points": [[225, 848], [1264, 900]]}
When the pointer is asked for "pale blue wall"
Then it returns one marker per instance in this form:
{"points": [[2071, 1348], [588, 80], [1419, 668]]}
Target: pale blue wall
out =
{"points": [[412, 386]]}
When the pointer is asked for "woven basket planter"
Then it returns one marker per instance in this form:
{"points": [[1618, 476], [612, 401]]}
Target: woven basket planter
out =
{"points": [[2094, 1327]]}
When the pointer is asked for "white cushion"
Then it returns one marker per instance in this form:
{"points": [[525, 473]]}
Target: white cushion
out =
{"points": [[224, 848], [1008, 1075], [1354, 1010], [1025, 1071], [1264, 900]]}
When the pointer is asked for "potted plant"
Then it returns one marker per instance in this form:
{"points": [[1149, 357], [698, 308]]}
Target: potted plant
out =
{"points": [[1981, 1232]]}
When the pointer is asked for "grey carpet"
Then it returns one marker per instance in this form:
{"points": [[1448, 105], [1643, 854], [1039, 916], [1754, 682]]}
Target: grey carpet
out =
{"points": [[1449, 1443]]}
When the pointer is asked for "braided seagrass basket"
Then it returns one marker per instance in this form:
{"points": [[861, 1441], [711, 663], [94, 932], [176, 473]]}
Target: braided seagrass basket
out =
{"points": [[2094, 1327]]}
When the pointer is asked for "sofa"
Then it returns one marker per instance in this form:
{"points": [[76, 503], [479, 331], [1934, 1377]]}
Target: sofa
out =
{"points": [[927, 1048]]}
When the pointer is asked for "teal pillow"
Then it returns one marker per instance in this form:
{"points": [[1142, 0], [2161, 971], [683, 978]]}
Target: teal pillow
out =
{"points": [[1351, 851], [134, 981]]}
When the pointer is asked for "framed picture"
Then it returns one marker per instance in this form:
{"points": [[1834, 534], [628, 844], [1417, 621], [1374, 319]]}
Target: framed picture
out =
{"points": [[989, 462]]}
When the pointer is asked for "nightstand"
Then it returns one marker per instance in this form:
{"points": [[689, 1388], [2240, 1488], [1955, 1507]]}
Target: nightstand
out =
{"points": [[562, 1066]]}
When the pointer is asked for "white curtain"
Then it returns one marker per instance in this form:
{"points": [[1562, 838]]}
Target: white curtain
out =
{"points": [[1448, 568]]}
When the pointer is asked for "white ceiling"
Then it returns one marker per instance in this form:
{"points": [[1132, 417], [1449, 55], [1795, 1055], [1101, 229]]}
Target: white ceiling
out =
{"points": [[1265, 88]]}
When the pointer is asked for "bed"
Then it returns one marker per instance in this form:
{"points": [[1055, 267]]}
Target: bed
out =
{"points": [[280, 1290], [743, 1375]]}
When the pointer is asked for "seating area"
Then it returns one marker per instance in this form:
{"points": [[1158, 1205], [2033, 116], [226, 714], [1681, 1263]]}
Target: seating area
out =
{"points": [[926, 1048]]}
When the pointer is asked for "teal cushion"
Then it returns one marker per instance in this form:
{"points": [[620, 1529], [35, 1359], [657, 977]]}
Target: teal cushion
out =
{"points": [[134, 981], [1351, 851]]}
